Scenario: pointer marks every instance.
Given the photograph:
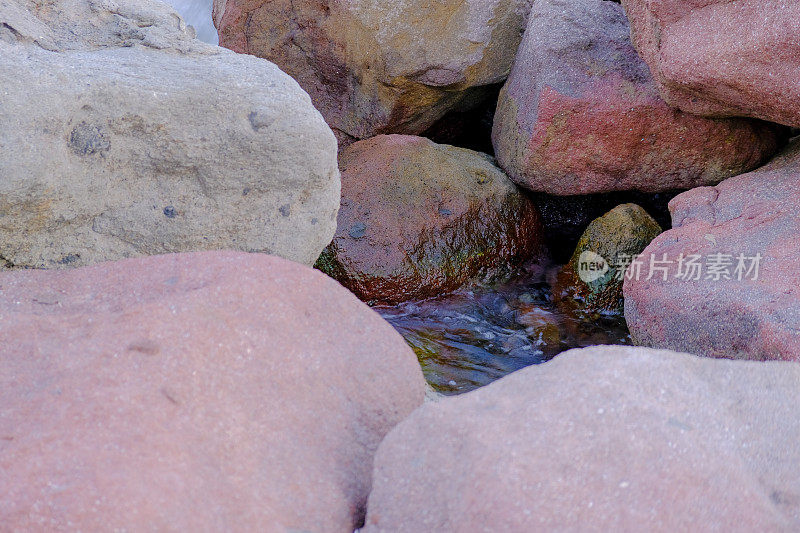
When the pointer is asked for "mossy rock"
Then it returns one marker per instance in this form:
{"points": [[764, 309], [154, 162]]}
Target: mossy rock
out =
{"points": [[592, 276]]}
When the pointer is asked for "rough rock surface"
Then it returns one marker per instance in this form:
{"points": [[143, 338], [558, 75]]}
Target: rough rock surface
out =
{"points": [[121, 135], [600, 439], [723, 58], [592, 279], [580, 114], [420, 219], [192, 392], [756, 313], [376, 67]]}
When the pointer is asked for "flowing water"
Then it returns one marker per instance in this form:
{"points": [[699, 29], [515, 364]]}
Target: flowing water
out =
{"points": [[472, 337]]}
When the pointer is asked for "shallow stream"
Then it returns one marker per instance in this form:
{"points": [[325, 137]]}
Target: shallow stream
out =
{"points": [[472, 337]]}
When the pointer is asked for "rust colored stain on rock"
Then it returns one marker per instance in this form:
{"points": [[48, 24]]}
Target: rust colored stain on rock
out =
{"points": [[420, 219], [581, 114]]}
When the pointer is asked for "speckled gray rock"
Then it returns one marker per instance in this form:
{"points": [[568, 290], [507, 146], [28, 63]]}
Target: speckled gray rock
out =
{"points": [[600, 439], [122, 135]]}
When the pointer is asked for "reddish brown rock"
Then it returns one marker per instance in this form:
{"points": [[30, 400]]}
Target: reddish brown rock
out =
{"points": [[752, 315], [374, 67], [723, 57], [580, 114], [420, 219], [600, 439], [209, 391]]}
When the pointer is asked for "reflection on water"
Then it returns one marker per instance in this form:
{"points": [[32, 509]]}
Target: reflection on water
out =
{"points": [[470, 338]]}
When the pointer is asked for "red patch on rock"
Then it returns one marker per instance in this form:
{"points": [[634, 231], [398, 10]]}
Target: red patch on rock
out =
{"points": [[723, 58], [581, 114]]}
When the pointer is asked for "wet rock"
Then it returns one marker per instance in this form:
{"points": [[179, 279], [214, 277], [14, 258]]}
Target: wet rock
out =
{"points": [[541, 325], [187, 392], [566, 217], [606, 439], [122, 135], [372, 68], [722, 58], [727, 283], [419, 219], [594, 274], [580, 114]]}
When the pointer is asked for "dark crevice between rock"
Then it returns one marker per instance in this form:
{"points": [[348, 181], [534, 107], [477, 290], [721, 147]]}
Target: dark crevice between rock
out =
{"points": [[6, 263], [8, 29], [566, 217], [470, 128]]}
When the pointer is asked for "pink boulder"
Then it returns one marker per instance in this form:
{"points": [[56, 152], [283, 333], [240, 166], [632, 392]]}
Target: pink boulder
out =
{"points": [[724, 282], [194, 392], [722, 57], [600, 439], [580, 114]]}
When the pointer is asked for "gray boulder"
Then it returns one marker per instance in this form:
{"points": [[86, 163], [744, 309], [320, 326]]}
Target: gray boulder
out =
{"points": [[121, 135]]}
